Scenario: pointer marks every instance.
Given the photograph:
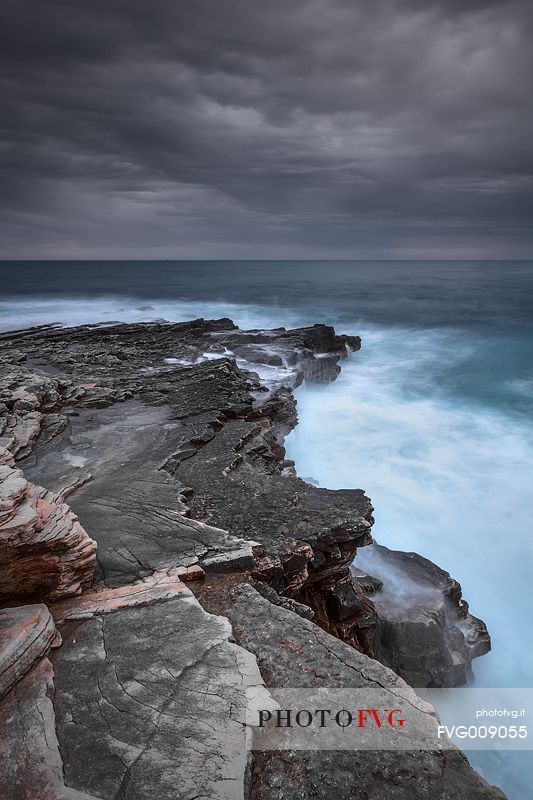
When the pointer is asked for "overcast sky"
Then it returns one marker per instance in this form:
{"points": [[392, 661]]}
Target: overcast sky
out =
{"points": [[266, 128]]}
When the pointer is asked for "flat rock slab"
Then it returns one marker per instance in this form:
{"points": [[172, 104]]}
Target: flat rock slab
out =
{"points": [[150, 700], [128, 503], [102, 600]]}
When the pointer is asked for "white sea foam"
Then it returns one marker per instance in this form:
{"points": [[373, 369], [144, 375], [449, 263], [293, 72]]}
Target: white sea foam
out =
{"points": [[22, 312], [73, 459]]}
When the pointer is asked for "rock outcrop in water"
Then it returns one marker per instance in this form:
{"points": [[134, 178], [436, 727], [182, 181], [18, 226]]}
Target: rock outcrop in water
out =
{"points": [[427, 634], [168, 442]]}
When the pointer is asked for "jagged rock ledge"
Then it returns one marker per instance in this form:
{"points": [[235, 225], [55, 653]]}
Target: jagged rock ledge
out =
{"points": [[427, 634], [168, 442]]}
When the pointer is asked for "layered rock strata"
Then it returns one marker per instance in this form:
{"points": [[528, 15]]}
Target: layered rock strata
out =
{"points": [[30, 762], [27, 633], [44, 551]]}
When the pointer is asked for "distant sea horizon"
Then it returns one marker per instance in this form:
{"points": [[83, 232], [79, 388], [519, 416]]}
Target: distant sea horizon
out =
{"points": [[272, 260]]}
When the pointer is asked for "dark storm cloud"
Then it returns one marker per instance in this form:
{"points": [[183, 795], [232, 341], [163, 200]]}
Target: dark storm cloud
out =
{"points": [[244, 128]]}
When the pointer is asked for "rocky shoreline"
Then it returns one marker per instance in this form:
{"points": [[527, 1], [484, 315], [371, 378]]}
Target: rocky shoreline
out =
{"points": [[192, 561]]}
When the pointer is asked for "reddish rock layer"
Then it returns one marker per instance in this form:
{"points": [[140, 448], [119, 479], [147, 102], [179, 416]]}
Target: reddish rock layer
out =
{"points": [[26, 635], [44, 551]]}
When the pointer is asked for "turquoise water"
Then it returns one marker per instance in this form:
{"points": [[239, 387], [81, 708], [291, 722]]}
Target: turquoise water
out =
{"points": [[433, 418]]}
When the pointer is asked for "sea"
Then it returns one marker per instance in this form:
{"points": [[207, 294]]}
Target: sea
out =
{"points": [[433, 417]]}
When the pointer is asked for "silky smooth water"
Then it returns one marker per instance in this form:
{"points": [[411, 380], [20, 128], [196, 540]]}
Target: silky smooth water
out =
{"points": [[433, 417]]}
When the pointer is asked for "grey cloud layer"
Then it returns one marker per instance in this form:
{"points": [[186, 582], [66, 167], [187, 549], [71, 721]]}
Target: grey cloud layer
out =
{"points": [[239, 128]]}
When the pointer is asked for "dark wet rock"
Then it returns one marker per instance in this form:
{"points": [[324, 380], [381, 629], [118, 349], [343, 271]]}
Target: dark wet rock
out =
{"points": [[309, 536], [368, 583], [272, 596], [427, 634], [310, 354], [196, 461]]}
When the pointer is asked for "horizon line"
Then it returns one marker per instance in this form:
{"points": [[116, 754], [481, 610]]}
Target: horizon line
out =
{"points": [[269, 260]]}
